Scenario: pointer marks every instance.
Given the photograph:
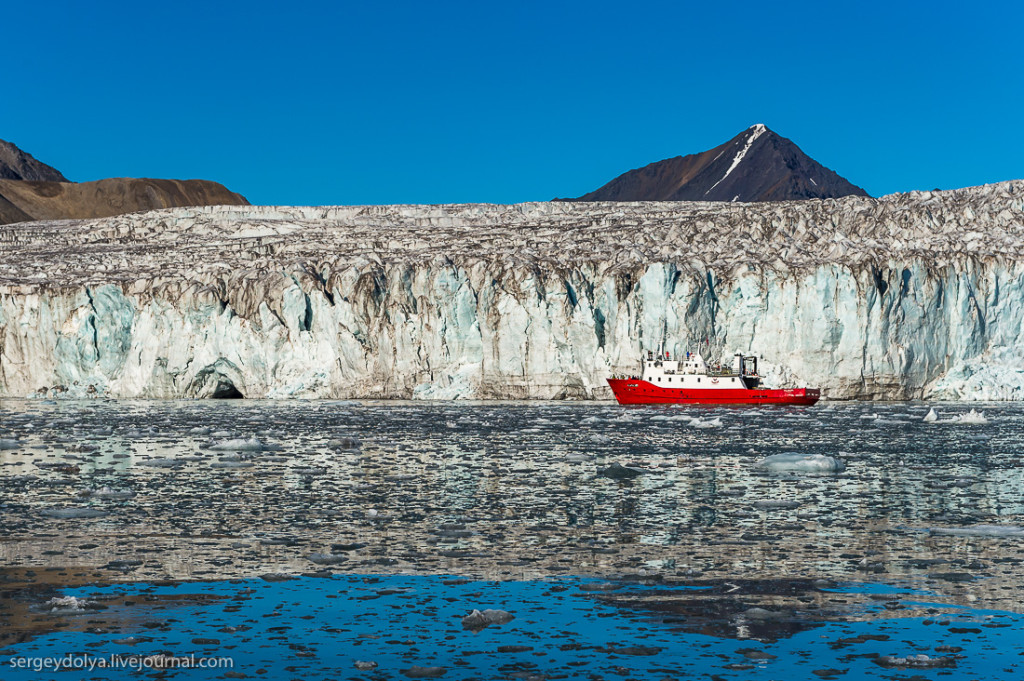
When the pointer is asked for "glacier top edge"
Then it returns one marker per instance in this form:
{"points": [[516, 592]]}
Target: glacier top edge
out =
{"points": [[955, 226]]}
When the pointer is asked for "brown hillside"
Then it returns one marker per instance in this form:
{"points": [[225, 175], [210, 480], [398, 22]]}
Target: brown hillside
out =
{"points": [[21, 200]]}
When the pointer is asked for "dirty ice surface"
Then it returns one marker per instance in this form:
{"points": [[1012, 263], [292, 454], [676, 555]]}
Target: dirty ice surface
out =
{"points": [[649, 542]]}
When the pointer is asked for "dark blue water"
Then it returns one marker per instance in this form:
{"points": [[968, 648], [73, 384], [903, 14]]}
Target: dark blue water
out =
{"points": [[320, 627]]}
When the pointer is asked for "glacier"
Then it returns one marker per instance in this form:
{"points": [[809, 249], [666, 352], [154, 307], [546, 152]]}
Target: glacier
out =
{"points": [[915, 295]]}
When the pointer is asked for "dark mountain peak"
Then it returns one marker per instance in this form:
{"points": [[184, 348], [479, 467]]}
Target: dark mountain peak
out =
{"points": [[755, 165], [16, 164]]}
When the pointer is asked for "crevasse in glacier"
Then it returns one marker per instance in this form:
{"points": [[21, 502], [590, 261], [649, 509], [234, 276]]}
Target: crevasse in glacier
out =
{"points": [[910, 295]]}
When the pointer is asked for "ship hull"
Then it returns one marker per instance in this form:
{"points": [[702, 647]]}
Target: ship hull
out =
{"points": [[635, 391]]}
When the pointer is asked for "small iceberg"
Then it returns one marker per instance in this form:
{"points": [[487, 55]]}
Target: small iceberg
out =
{"points": [[68, 605], [617, 471], [481, 619], [931, 416], [794, 462], [328, 558]]}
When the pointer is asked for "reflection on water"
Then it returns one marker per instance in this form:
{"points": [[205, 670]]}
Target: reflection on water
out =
{"points": [[139, 491], [387, 626]]}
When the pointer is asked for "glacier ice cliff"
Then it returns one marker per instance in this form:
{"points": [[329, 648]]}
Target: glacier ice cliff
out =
{"points": [[906, 296]]}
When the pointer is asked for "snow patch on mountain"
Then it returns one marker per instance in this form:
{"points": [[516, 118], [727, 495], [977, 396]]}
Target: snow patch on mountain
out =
{"points": [[755, 132]]}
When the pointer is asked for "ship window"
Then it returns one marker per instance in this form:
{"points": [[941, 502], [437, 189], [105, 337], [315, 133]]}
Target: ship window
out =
{"points": [[698, 380], [733, 380], [659, 379]]}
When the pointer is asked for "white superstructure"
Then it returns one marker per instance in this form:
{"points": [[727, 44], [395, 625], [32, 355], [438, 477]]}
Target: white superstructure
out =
{"points": [[691, 371]]}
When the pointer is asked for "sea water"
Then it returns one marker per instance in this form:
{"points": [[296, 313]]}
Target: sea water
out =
{"points": [[353, 539]]}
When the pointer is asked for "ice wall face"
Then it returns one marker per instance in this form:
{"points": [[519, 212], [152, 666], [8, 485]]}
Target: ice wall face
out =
{"points": [[914, 295]]}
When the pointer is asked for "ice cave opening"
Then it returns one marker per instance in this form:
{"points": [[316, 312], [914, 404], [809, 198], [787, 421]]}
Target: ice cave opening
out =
{"points": [[226, 390]]}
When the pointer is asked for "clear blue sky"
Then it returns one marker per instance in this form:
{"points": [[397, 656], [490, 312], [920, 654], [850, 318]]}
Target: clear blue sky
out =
{"points": [[423, 102]]}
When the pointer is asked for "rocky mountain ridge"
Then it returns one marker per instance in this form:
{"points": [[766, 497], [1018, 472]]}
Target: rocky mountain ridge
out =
{"points": [[16, 164]]}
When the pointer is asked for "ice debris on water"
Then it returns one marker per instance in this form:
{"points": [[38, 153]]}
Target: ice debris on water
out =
{"points": [[9, 443], [794, 462], [915, 662], [106, 492], [692, 421], [251, 444], [971, 418]]}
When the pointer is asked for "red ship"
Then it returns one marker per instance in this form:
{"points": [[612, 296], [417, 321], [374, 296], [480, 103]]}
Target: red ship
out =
{"points": [[690, 380]]}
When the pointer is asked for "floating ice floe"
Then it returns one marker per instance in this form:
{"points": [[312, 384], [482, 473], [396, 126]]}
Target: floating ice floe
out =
{"points": [[931, 416], [161, 463], [578, 457], [108, 493], [914, 662], [231, 463], [72, 512], [793, 462], [762, 614], [768, 504], [980, 531], [350, 443], [9, 443]]}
